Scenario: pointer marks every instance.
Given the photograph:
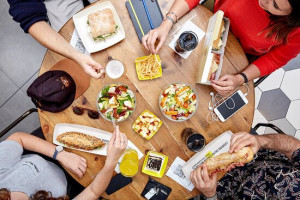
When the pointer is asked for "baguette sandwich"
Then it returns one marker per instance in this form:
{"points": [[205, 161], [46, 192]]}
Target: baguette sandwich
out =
{"points": [[227, 161], [214, 64], [217, 43], [79, 140], [102, 24]]}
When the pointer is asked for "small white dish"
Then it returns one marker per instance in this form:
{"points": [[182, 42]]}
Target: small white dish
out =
{"points": [[80, 21]]}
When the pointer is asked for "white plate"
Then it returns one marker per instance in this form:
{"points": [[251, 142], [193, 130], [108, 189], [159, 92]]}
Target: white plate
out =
{"points": [[80, 21], [101, 134]]}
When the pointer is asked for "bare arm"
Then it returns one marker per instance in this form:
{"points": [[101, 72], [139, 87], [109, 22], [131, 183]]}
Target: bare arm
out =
{"points": [[180, 8], [279, 142], [73, 162], [115, 148], [52, 40]]}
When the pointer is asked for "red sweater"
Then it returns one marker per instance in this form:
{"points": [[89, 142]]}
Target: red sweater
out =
{"points": [[247, 20]]}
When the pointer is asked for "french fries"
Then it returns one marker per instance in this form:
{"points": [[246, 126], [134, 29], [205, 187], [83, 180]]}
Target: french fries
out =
{"points": [[149, 67]]}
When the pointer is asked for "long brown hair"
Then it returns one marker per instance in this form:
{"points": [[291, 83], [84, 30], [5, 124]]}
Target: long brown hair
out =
{"points": [[280, 26]]}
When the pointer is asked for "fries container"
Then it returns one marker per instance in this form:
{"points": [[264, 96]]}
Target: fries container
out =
{"points": [[219, 145], [159, 74], [207, 53]]}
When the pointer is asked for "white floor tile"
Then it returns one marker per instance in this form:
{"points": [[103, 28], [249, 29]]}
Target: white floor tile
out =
{"points": [[293, 114], [259, 118], [290, 84], [273, 81], [7, 88]]}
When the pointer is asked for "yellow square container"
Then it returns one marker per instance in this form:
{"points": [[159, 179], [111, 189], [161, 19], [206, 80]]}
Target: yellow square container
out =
{"points": [[156, 173], [138, 121], [137, 67]]}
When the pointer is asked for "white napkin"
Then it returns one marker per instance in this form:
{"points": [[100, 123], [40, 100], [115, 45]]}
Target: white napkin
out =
{"points": [[187, 26]]}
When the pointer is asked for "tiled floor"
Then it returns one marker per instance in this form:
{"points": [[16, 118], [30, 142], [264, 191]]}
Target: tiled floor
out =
{"points": [[20, 59], [277, 98]]}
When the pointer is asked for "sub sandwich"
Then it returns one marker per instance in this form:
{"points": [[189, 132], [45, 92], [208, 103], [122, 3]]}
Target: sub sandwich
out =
{"points": [[217, 42], [102, 24], [227, 161], [79, 140]]}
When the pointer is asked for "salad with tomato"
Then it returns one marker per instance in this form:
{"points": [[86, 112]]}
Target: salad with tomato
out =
{"points": [[178, 102], [116, 102]]}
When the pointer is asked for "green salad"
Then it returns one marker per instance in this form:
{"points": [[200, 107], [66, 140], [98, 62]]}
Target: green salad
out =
{"points": [[116, 102]]}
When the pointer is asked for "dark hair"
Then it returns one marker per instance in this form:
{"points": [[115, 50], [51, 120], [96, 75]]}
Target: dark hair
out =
{"points": [[44, 195], [39, 195], [280, 26], [4, 194]]}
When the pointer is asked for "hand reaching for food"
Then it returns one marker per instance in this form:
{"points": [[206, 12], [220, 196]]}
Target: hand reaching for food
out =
{"points": [[90, 66], [73, 162], [160, 33], [116, 147]]}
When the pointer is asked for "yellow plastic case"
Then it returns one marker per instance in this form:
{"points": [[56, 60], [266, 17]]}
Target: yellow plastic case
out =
{"points": [[162, 169], [151, 135], [139, 75]]}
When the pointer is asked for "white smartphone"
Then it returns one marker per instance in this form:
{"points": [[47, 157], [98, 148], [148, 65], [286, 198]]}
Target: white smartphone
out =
{"points": [[231, 105]]}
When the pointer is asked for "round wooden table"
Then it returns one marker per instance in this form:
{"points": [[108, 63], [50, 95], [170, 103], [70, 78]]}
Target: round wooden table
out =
{"points": [[175, 69]]}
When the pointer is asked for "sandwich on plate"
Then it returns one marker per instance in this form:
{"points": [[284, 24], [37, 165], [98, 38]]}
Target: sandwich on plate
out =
{"points": [[102, 24]]}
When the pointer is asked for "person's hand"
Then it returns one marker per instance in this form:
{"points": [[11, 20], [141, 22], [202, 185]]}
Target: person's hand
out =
{"points": [[227, 84], [115, 147], [90, 66], [160, 33], [243, 139], [73, 162], [203, 182]]}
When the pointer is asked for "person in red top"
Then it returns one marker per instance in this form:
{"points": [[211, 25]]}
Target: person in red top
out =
{"points": [[269, 29]]}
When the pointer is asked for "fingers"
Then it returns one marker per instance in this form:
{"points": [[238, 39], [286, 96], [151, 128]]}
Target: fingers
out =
{"points": [[200, 180], [235, 140], [222, 89], [124, 141], [118, 135], [82, 169], [152, 42], [161, 42], [193, 178], [79, 173], [144, 41], [205, 173]]}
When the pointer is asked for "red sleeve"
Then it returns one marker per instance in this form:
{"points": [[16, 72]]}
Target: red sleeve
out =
{"points": [[279, 56], [193, 3]]}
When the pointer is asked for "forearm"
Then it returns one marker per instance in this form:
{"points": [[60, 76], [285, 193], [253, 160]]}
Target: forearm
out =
{"points": [[279, 142], [252, 72], [52, 40], [33, 143], [180, 8], [98, 186]]}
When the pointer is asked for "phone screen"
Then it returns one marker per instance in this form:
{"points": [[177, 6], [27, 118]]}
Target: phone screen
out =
{"points": [[231, 105]]}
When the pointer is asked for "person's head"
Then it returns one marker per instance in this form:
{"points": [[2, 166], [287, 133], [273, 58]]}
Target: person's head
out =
{"points": [[284, 16], [39, 195]]}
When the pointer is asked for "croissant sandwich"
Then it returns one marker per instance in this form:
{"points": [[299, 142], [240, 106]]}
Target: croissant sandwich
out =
{"points": [[227, 161], [80, 140]]}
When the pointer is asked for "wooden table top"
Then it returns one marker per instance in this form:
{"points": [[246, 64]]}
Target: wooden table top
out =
{"points": [[175, 69]]}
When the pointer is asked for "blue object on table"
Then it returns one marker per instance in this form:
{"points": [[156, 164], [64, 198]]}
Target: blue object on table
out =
{"points": [[148, 15]]}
